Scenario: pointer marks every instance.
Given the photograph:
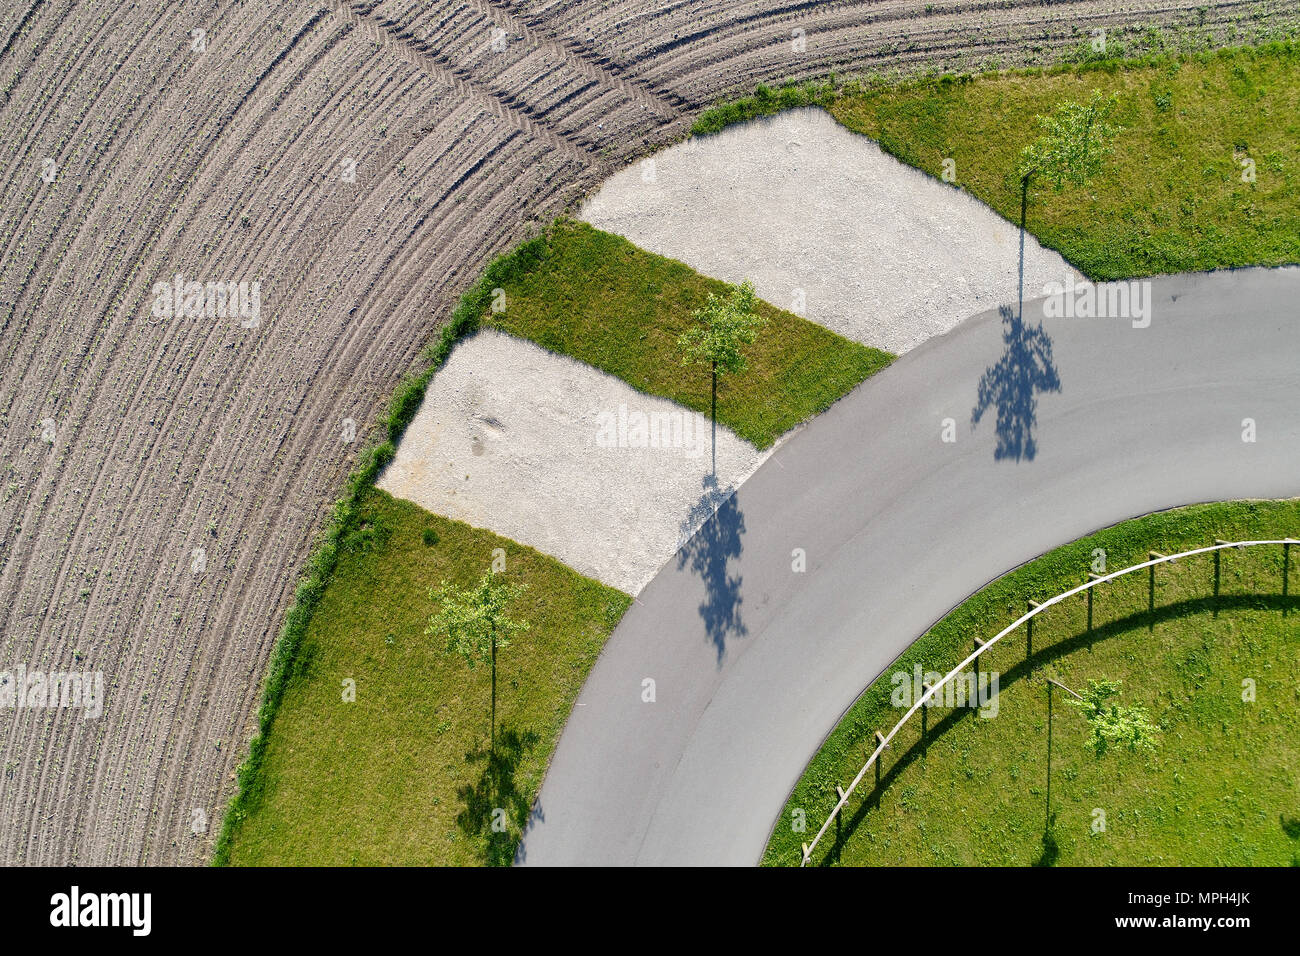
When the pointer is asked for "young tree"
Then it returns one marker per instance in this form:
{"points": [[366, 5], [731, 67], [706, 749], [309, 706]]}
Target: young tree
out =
{"points": [[725, 326], [1075, 138], [475, 624], [1112, 725], [1109, 723]]}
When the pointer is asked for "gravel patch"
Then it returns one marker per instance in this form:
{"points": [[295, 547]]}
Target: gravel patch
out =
{"points": [[562, 457], [883, 253]]}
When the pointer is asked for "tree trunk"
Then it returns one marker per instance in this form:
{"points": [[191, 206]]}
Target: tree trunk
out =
{"points": [[713, 416], [492, 747], [1024, 209], [1047, 824]]}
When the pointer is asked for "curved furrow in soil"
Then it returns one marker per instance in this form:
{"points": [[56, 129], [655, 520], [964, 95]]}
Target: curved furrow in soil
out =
{"points": [[225, 167], [229, 159], [217, 469], [117, 340]]}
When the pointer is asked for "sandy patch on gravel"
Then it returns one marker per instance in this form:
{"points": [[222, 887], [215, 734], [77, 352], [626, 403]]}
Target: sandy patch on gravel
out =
{"points": [[560, 456], [884, 254]]}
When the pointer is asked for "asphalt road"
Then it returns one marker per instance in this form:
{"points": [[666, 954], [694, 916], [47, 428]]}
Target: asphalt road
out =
{"points": [[1088, 422]]}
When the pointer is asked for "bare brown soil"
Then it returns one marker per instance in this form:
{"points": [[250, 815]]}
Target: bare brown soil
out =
{"points": [[172, 434]]}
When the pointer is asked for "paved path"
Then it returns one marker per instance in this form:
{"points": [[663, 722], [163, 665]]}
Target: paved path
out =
{"points": [[754, 664]]}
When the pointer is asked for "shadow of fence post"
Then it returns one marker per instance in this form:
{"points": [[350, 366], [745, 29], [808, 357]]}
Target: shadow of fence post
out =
{"points": [[1286, 567], [1051, 851], [1151, 590], [1029, 631]]}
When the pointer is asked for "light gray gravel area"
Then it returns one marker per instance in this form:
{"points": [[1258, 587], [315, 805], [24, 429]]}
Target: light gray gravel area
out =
{"points": [[827, 225], [565, 458]]}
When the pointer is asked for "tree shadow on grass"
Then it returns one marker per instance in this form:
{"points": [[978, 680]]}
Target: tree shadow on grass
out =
{"points": [[1291, 827], [496, 810], [1022, 671], [708, 551], [1026, 368], [1051, 849]]}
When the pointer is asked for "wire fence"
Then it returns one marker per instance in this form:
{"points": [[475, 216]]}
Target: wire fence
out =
{"points": [[1034, 609]]}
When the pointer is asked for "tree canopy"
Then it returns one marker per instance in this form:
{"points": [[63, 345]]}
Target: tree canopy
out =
{"points": [[1075, 138], [472, 619], [725, 326], [1111, 724]]}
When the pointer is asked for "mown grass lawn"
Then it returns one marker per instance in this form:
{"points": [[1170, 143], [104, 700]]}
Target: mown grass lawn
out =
{"points": [[1221, 787], [400, 776], [604, 301], [1171, 198]]}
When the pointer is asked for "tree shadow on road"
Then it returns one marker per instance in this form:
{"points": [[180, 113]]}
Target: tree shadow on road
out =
{"points": [[708, 551], [495, 798], [1026, 368]]}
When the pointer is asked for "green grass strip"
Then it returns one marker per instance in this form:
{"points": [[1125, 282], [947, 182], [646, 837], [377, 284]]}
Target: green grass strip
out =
{"points": [[604, 301], [765, 101], [341, 519], [402, 776], [1177, 195]]}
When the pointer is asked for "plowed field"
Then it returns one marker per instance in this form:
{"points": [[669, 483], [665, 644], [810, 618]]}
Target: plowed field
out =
{"points": [[162, 475]]}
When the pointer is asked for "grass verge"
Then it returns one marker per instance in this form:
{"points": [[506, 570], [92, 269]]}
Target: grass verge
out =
{"points": [[606, 302], [1177, 194], [341, 521], [1219, 789], [402, 775], [796, 370], [765, 101]]}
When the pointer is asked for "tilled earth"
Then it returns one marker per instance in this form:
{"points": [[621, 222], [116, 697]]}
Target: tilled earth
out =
{"points": [[162, 477]]}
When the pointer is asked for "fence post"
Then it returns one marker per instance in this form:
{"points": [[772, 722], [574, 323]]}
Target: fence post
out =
{"points": [[1047, 825], [1092, 576], [882, 746], [979, 646], [925, 712], [1214, 612]]}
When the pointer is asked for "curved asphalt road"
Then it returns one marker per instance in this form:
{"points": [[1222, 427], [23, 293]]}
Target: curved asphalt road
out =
{"points": [[753, 664]]}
